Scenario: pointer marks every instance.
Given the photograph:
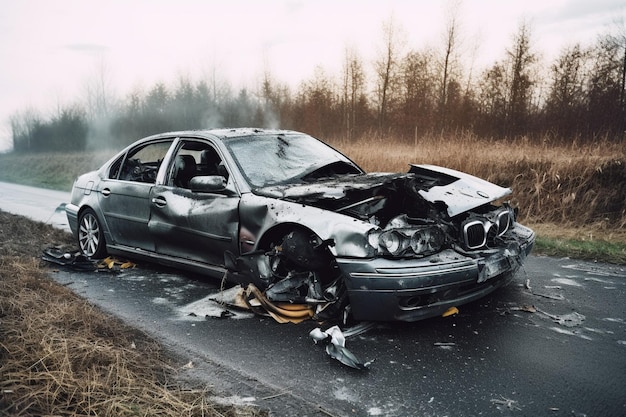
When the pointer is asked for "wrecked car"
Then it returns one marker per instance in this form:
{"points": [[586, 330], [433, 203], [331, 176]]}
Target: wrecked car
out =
{"points": [[302, 223]]}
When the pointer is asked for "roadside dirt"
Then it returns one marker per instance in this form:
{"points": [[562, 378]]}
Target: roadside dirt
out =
{"points": [[61, 356]]}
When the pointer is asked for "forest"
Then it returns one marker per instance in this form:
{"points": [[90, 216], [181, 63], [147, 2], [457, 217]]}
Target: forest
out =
{"points": [[402, 95]]}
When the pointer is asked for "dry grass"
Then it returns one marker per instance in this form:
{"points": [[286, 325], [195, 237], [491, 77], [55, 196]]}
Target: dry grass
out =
{"points": [[50, 170], [581, 187], [60, 356]]}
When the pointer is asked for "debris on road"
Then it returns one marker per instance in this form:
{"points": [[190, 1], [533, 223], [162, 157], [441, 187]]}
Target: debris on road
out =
{"points": [[335, 342], [445, 345], [72, 258], [252, 299], [572, 319], [452, 311], [113, 263], [281, 312], [505, 403], [75, 260]]}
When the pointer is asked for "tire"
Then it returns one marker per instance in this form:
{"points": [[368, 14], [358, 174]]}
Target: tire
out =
{"points": [[90, 235]]}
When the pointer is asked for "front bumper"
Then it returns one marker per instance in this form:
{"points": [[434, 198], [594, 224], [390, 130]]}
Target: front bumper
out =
{"points": [[413, 289]]}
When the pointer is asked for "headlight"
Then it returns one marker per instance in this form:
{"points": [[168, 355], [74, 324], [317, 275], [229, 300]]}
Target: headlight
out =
{"points": [[427, 240], [410, 241], [393, 242]]}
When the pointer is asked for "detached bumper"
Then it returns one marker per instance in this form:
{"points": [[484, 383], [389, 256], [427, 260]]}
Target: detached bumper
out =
{"points": [[414, 289]]}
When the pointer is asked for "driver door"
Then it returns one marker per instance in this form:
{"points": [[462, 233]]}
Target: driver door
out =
{"points": [[196, 226]]}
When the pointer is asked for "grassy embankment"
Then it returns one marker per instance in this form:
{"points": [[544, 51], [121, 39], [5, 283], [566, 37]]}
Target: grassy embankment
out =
{"points": [[61, 356], [573, 195]]}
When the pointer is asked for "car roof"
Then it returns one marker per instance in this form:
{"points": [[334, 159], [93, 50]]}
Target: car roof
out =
{"points": [[227, 133]]}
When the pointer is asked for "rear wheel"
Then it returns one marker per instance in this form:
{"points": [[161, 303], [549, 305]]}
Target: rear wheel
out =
{"points": [[90, 235]]}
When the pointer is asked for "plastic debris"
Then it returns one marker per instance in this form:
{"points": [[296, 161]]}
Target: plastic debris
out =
{"points": [[572, 319], [74, 260], [505, 403], [335, 343], [112, 263], [450, 312], [444, 344], [526, 308], [233, 297], [281, 312]]}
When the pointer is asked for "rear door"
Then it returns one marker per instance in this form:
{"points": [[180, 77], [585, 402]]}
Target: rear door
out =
{"points": [[197, 226], [125, 194]]}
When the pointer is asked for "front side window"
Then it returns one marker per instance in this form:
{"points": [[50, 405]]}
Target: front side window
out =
{"points": [[195, 158]]}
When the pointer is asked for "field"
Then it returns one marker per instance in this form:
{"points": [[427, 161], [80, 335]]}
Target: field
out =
{"points": [[573, 195]]}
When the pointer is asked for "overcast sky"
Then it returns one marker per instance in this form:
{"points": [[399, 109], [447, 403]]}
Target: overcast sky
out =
{"points": [[50, 49]]}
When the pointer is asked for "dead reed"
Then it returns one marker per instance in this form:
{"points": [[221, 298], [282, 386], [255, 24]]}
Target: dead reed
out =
{"points": [[60, 356], [573, 185]]}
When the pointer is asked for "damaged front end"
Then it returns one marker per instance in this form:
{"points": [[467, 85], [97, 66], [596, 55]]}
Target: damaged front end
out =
{"points": [[433, 239], [299, 269]]}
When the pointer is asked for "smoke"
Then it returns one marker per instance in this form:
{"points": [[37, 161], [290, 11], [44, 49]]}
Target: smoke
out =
{"points": [[212, 119], [99, 135]]}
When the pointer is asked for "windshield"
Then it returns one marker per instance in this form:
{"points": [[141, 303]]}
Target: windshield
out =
{"points": [[274, 159]]}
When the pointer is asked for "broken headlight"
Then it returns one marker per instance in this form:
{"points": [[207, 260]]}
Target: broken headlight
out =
{"points": [[411, 241]]}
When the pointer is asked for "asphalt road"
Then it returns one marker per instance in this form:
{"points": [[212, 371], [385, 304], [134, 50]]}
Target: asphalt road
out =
{"points": [[551, 344]]}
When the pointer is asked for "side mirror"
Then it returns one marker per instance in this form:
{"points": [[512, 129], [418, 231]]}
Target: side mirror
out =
{"points": [[208, 184]]}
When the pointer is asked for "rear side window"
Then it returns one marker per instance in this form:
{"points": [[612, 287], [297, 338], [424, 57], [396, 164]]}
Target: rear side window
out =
{"points": [[141, 164]]}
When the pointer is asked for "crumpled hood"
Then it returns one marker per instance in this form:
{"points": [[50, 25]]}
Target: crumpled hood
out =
{"points": [[331, 188], [459, 191]]}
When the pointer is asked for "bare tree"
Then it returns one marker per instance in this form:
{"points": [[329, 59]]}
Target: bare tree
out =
{"points": [[100, 104], [419, 92], [449, 58], [274, 99], [619, 38], [492, 100], [606, 89], [521, 58], [319, 104], [566, 98], [99, 93], [23, 125], [353, 90], [386, 70]]}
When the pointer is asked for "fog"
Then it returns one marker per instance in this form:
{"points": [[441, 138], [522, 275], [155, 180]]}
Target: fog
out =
{"points": [[49, 50]]}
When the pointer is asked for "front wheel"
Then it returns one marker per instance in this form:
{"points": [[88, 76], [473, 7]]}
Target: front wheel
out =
{"points": [[304, 271], [90, 235]]}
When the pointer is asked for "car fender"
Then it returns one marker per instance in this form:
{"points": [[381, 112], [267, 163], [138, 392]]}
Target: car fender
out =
{"points": [[85, 194], [261, 215]]}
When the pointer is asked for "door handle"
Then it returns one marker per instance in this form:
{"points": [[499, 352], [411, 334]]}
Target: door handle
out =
{"points": [[159, 201], [106, 192]]}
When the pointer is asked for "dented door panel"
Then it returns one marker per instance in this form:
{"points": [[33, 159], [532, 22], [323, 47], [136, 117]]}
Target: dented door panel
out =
{"points": [[194, 226]]}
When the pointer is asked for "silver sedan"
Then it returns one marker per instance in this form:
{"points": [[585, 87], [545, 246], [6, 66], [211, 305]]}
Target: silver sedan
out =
{"points": [[302, 223]]}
